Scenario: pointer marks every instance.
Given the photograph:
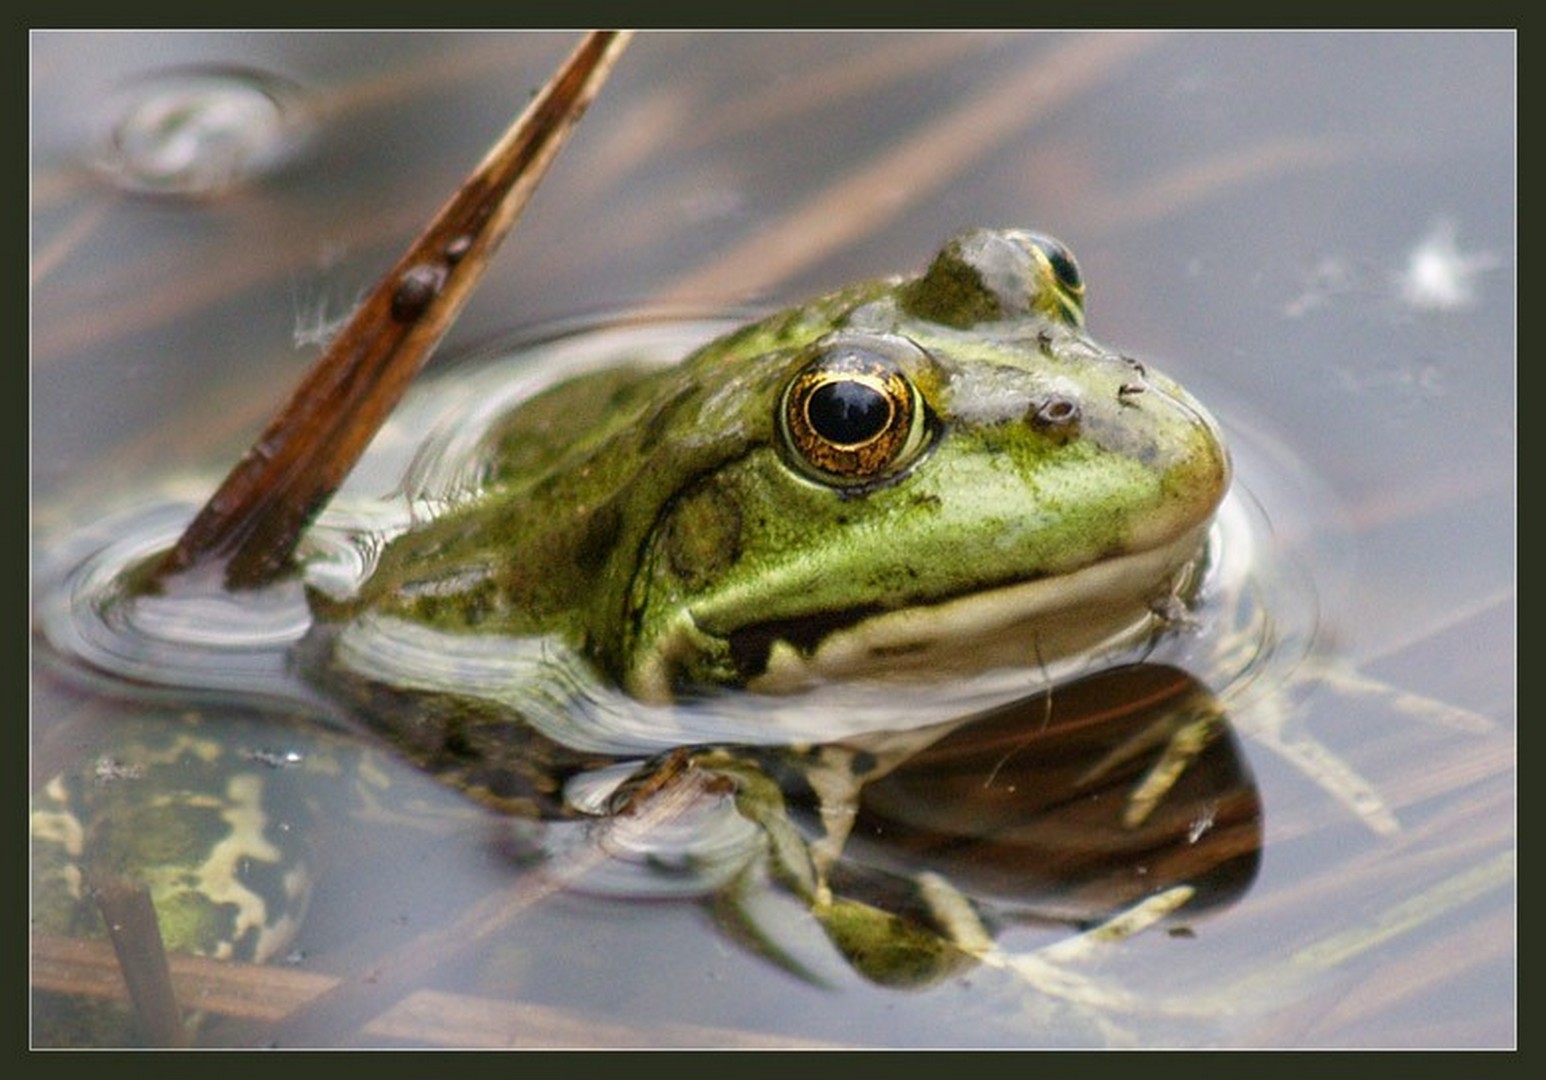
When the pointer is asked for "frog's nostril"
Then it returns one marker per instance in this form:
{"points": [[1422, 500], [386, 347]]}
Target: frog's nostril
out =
{"points": [[1057, 417]]}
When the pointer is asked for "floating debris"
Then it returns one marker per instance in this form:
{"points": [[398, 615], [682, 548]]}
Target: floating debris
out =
{"points": [[1440, 277], [275, 759]]}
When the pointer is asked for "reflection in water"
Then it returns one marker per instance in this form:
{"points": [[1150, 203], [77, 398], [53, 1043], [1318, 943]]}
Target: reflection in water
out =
{"points": [[1030, 808]]}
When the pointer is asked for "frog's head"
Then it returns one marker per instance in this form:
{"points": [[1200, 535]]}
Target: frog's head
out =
{"points": [[947, 474]]}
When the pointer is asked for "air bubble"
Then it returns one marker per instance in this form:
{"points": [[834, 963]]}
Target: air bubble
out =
{"points": [[200, 132]]}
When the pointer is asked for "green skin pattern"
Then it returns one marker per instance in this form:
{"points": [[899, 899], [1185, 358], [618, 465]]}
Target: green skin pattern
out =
{"points": [[670, 527], [680, 522]]}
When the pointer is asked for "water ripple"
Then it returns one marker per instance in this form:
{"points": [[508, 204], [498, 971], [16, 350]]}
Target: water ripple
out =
{"points": [[200, 132]]}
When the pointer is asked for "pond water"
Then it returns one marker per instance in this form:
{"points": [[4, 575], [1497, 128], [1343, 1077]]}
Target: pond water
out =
{"points": [[1313, 232]]}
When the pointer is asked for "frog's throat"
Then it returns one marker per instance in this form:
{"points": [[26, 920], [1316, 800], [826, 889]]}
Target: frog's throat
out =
{"points": [[1031, 624]]}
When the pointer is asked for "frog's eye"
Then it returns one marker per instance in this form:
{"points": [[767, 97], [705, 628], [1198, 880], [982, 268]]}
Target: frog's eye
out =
{"points": [[1064, 293], [852, 416], [986, 275]]}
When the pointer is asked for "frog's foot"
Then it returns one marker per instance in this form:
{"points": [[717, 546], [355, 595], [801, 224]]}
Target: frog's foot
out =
{"points": [[1271, 719], [1270, 726], [1274, 721], [889, 949], [1183, 733], [1053, 970], [925, 929], [908, 948], [1343, 678]]}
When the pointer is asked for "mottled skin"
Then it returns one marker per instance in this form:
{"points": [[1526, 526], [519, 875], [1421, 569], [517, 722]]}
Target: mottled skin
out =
{"points": [[661, 521]]}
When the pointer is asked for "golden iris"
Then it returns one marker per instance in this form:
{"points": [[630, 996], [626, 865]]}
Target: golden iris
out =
{"points": [[852, 416]]}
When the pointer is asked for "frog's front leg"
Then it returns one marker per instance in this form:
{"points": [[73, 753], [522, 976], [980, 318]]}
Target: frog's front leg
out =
{"points": [[911, 931], [1183, 732], [837, 773], [892, 948]]}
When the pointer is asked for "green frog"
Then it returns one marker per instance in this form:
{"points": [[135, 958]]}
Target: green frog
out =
{"points": [[902, 477], [750, 571], [907, 480]]}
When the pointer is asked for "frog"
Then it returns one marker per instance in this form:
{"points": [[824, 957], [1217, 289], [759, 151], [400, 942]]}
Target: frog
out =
{"points": [[900, 481], [884, 479], [797, 530]]}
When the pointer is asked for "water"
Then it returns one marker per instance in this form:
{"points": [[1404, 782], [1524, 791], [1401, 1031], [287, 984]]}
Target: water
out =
{"points": [[199, 132], [1314, 232]]}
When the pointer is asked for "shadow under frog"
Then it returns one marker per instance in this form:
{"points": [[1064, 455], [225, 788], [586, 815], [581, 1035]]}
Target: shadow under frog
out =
{"points": [[910, 483]]}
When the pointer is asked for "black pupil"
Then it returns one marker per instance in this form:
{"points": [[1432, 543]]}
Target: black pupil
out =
{"points": [[848, 413], [1062, 264]]}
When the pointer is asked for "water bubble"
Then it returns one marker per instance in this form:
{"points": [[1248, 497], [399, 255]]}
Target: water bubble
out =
{"points": [[200, 132], [192, 640]]}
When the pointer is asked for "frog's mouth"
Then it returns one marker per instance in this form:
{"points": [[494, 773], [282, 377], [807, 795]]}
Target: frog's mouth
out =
{"points": [[1035, 624]]}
